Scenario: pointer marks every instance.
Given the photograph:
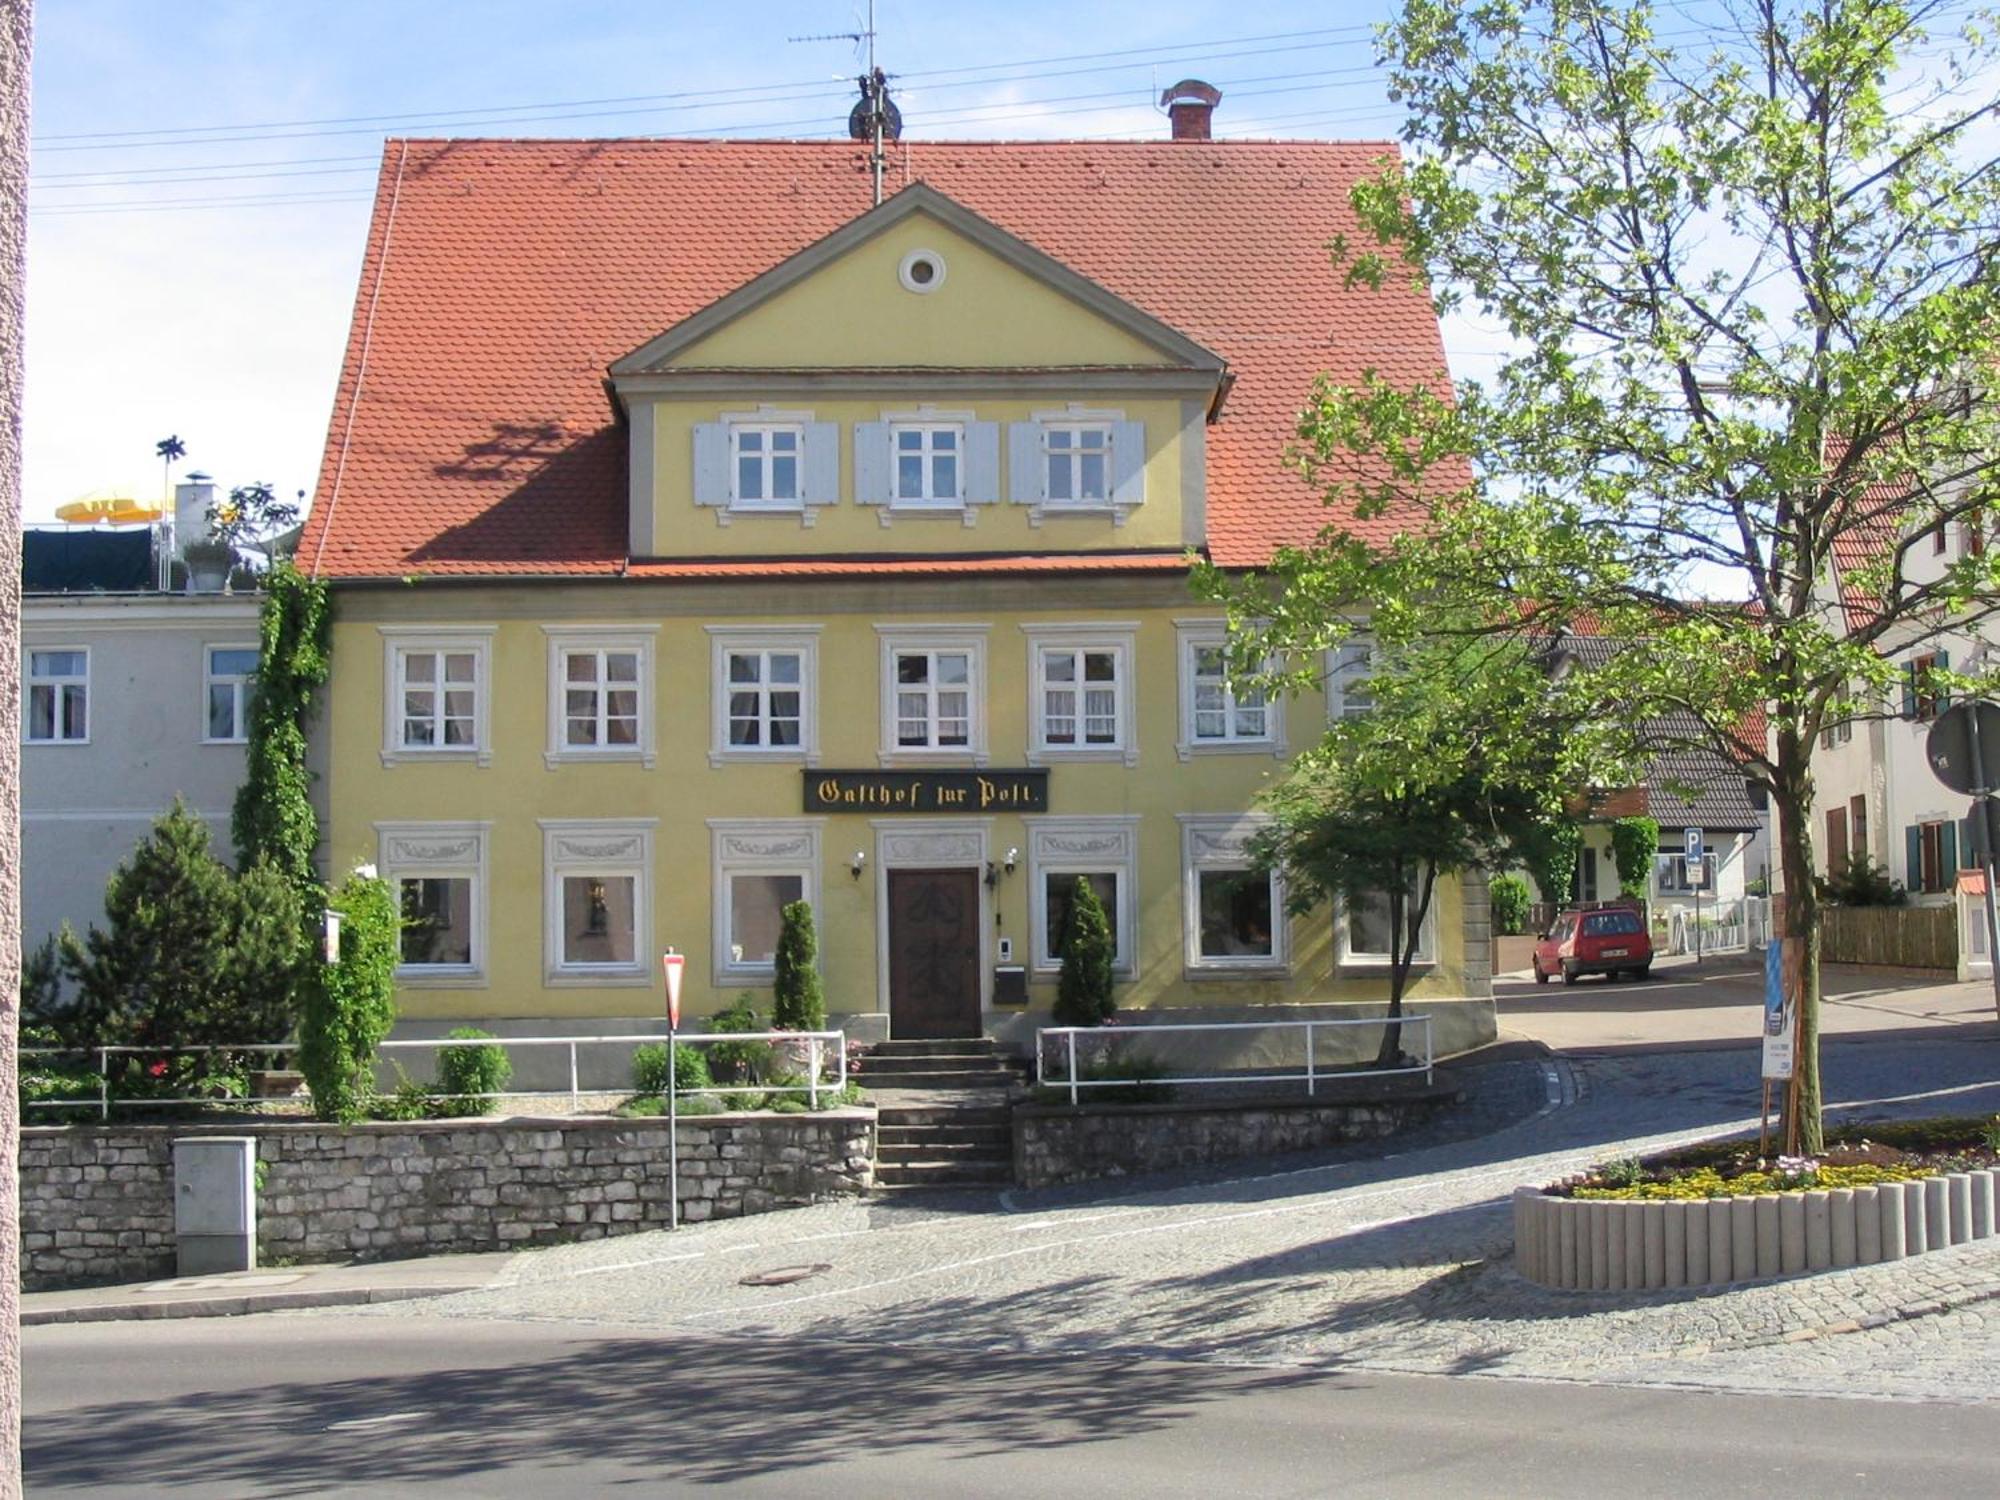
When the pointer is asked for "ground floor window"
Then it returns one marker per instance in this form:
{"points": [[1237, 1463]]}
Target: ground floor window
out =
{"points": [[1367, 936], [1064, 851], [1233, 915], [759, 867], [599, 900], [437, 920], [438, 871]]}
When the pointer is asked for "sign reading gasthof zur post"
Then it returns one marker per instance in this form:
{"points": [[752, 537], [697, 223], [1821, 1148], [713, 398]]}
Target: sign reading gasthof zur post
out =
{"points": [[926, 791]]}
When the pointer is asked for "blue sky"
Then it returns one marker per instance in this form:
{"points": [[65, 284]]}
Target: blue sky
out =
{"points": [[201, 182]]}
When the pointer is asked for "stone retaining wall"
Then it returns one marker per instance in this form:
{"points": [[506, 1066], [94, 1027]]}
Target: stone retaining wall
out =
{"points": [[1055, 1143], [1575, 1244], [97, 1202]]}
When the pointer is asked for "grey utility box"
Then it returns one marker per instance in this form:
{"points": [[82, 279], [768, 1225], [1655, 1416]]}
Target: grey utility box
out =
{"points": [[215, 1203]]}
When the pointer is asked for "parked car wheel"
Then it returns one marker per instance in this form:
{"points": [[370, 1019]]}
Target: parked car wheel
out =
{"points": [[1541, 974], [1569, 972], [1645, 972]]}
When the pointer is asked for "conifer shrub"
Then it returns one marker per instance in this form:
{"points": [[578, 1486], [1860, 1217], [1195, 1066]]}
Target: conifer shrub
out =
{"points": [[1083, 992], [798, 1001]]}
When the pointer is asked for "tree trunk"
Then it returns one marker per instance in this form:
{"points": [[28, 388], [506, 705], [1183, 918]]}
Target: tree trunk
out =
{"points": [[1792, 801], [15, 36], [1390, 1053]]}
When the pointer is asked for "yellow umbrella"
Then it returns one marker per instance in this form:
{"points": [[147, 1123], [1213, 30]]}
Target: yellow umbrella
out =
{"points": [[115, 510]]}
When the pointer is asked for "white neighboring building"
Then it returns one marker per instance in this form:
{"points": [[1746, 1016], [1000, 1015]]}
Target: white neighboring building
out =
{"points": [[132, 697], [1874, 792]]}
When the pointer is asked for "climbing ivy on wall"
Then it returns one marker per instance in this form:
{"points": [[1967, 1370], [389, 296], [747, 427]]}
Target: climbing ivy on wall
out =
{"points": [[273, 818], [350, 1003]]}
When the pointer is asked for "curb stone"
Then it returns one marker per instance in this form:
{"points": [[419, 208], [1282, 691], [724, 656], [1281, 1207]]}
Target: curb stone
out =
{"points": [[229, 1307]]}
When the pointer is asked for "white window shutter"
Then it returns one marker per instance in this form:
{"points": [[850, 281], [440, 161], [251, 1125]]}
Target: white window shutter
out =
{"points": [[982, 463], [711, 463], [822, 471], [1025, 480], [1128, 463], [871, 463]]}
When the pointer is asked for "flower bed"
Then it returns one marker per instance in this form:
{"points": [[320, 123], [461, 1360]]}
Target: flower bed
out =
{"points": [[1714, 1214]]}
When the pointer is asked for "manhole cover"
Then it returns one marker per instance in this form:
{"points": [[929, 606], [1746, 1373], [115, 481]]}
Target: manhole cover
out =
{"points": [[783, 1275]]}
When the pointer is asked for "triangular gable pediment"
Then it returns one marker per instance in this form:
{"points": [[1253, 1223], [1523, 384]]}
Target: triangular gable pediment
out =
{"points": [[839, 303]]}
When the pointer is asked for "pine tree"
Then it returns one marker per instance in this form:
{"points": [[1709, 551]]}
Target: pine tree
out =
{"points": [[798, 1002], [1083, 993]]}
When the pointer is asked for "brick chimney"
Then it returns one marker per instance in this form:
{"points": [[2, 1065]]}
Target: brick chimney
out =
{"points": [[1189, 104]]}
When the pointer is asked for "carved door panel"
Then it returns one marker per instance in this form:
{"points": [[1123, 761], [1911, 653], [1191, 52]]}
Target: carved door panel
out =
{"points": [[933, 953]]}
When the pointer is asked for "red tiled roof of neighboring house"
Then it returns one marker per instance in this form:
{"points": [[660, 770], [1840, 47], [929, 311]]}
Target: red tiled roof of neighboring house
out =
{"points": [[471, 432]]}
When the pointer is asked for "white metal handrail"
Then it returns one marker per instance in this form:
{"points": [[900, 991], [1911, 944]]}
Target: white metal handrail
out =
{"points": [[816, 1052], [1310, 1076]]}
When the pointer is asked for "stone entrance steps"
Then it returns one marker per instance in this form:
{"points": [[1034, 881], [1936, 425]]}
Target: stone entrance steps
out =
{"points": [[944, 1113]]}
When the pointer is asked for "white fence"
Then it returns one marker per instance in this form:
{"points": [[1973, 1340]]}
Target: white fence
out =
{"points": [[1070, 1077], [1726, 927], [813, 1052]]}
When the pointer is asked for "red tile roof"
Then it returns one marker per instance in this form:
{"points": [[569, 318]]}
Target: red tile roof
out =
{"points": [[471, 433]]}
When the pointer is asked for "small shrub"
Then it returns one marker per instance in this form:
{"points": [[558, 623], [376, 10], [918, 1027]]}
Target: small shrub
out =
{"points": [[738, 1062], [650, 1106], [798, 1001], [1863, 883], [1511, 899], [408, 1100], [845, 1097], [649, 1069], [465, 1074], [1623, 1172], [1991, 1135], [786, 1104], [1083, 991]]}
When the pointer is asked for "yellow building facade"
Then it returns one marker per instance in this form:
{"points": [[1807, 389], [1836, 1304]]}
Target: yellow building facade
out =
{"points": [[904, 632]]}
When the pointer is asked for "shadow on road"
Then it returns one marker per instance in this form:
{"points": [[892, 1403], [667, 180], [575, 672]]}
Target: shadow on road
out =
{"points": [[703, 1411]]}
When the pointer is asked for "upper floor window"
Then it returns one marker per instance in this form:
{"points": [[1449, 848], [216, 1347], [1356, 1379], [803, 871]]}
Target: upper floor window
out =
{"points": [[1220, 711], [933, 691], [765, 464], [1348, 671], [59, 697], [928, 467], [436, 693], [230, 674], [763, 693], [600, 694], [1923, 698], [1078, 462], [1080, 691]]}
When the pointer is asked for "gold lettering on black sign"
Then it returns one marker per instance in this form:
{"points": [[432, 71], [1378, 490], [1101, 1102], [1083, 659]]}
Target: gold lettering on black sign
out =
{"points": [[927, 791]]}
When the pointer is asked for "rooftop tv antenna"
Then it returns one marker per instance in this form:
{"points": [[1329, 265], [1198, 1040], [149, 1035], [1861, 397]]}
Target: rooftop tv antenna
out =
{"points": [[876, 118]]}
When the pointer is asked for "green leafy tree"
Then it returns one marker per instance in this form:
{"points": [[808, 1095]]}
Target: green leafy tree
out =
{"points": [[798, 1002], [273, 817], [1466, 752], [1749, 282], [1549, 851], [1634, 843], [190, 955], [350, 1004], [1088, 950]]}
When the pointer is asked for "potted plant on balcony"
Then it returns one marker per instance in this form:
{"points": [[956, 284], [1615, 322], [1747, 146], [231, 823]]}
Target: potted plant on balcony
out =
{"points": [[208, 563]]}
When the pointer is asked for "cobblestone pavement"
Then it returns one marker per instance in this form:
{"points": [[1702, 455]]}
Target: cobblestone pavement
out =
{"points": [[1344, 1259]]}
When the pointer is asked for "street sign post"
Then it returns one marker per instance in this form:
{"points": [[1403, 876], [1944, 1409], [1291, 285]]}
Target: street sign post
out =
{"points": [[1696, 865], [1963, 748], [674, 963]]}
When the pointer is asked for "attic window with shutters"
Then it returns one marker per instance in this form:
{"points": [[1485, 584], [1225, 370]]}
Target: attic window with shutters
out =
{"points": [[927, 463], [1078, 462], [766, 462], [921, 271]]}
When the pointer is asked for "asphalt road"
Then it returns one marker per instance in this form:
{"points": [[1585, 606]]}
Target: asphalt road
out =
{"points": [[290, 1406]]}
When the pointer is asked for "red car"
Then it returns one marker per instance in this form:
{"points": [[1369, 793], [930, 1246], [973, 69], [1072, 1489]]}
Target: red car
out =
{"points": [[1607, 942]]}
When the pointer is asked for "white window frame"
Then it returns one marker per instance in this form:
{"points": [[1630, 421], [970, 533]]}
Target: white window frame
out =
{"points": [[927, 424], [60, 688], [476, 639], [1116, 636], [597, 846], [567, 640], [1217, 841], [440, 851], [757, 846], [241, 682], [1347, 957], [1083, 846], [766, 424], [727, 639], [1075, 417], [1195, 636], [1072, 455], [1352, 658], [969, 639]]}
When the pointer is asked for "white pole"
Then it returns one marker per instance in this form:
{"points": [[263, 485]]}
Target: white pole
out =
{"points": [[673, 1134]]}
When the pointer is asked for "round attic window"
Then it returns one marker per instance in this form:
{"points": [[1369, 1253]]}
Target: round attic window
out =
{"points": [[922, 271]]}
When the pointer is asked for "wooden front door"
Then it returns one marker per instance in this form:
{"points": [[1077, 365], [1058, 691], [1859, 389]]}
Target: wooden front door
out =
{"points": [[933, 953]]}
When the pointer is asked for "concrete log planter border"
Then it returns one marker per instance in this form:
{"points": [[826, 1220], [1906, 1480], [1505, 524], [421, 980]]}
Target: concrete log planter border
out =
{"points": [[1609, 1245]]}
